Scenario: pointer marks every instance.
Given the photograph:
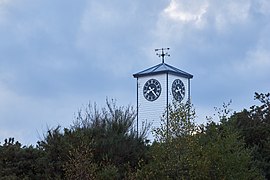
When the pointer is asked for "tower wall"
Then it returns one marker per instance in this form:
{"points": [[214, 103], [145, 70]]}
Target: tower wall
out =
{"points": [[152, 111]]}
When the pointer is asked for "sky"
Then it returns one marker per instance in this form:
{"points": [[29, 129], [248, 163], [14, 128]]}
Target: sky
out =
{"points": [[57, 56]]}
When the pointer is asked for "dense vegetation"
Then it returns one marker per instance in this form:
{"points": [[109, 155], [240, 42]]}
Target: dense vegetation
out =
{"points": [[102, 144]]}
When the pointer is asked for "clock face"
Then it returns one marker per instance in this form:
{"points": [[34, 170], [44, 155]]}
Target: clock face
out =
{"points": [[152, 90], [178, 90]]}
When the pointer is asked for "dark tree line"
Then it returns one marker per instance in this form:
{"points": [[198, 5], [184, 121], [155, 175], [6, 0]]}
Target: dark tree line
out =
{"points": [[102, 144], [254, 126]]}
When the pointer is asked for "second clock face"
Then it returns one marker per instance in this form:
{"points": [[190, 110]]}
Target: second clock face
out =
{"points": [[178, 90], [152, 90]]}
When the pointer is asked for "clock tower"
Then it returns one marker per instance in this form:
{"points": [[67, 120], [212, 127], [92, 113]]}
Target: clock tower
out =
{"points": [[157, 87]]}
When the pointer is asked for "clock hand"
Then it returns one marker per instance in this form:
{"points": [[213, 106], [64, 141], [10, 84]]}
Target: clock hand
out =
{"points": [[178, 90], [149, 90], [152, 91]]}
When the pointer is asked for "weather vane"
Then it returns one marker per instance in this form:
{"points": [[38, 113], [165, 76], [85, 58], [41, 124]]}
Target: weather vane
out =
{"points": [[162, 54]]}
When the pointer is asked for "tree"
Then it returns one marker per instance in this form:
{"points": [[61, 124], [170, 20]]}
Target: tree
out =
{"points": [[184, 150], [17, 162], [181, 122], [227, 154], [254, 127], [80, 164], [114, 137], [105, 138]]}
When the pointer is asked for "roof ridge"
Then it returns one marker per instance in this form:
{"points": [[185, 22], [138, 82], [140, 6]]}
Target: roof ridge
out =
{"points": [[163, 68], [157, 66], [176, 68], [147, 69]]}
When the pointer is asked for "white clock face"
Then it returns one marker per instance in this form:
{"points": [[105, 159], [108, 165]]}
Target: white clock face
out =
{"points": [[178, 90], [152, 90]]}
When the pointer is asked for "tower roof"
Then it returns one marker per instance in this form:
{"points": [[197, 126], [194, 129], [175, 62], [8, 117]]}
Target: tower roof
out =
{"points": [[161, 69]]}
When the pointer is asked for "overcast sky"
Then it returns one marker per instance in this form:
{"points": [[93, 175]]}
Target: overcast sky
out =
{"points": [[56, 56]]}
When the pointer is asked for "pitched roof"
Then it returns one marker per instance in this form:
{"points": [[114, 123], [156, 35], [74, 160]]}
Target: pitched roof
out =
{"points": [[163, 68]]}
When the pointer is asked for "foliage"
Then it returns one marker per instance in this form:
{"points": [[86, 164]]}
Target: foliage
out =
{"points": [[99, 143], [80, 164], [56, 148], [227, 155], [102, 144], [17, 162], [114, 138], [180, 122], [254, 127], [189, 151]]}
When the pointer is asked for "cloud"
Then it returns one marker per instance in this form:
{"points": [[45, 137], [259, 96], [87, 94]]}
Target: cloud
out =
{"points": [[224, 44], [118, 32], [261, 7], [54, 57], [209, 30], [181, 16], [3, 10], [185, 12], [256, 64]]}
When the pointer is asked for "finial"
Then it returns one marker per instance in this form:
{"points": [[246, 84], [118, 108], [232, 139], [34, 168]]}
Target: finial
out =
{"points": [[162, 54]]}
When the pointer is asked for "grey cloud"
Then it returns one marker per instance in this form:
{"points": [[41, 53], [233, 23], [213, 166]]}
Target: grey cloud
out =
{"points": [[55, 57]]}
